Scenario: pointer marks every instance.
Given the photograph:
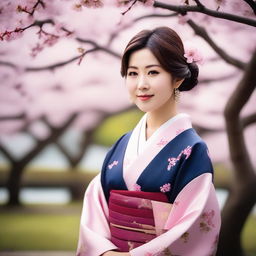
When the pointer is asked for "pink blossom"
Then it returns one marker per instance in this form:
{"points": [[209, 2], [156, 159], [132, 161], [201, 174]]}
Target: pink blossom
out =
{"points": [[182, 19], [187, 151], [114, 163], [149, 2], [193, 55], [165, 188], [172, 162], [221, 2], [77, 7], [91, 3], [179, 156], [136, 187]]}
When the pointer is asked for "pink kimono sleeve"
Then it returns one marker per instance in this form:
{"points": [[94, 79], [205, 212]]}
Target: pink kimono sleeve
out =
{"points": [[94, 236], [193, 223]]}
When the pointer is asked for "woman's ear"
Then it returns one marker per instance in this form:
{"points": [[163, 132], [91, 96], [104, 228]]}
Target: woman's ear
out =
{"points": [[177, 82]]}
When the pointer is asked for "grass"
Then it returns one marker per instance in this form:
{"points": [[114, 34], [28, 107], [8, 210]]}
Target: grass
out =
{"points": [[249, 236], [42, 228], [33, 230]]}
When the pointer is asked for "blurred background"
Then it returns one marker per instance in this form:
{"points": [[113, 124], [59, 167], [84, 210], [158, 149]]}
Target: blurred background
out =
{"points": [[63, 104]]}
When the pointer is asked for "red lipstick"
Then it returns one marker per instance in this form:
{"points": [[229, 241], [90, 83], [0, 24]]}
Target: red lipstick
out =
{"points": [[144, 97]]}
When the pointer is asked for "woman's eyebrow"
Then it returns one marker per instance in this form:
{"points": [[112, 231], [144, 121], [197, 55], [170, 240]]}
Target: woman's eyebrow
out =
{"points": [[148, 66]]}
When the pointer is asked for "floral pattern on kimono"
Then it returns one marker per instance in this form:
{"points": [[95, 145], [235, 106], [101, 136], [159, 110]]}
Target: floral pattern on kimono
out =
{"points": [[190, 226]]}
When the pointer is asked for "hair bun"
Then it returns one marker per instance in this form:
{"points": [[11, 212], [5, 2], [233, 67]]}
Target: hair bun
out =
{"points": [[191, 81]]}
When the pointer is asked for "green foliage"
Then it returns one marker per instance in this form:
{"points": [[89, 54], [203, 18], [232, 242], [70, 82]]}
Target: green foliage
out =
{"points": [[42, 228], [249, 235], [114, 127], [38, 231]]}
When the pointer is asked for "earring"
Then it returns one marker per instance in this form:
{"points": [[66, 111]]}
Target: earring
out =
{"points": [[176, 94]]}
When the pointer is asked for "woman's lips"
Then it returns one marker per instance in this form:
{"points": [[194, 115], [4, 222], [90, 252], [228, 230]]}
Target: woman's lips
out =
{"points": [[145, 97]]}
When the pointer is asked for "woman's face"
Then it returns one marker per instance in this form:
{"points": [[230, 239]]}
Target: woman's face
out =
{"points": [[150, 86]]}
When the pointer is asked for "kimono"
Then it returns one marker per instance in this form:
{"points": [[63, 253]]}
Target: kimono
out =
{"points": [[153, 197]]}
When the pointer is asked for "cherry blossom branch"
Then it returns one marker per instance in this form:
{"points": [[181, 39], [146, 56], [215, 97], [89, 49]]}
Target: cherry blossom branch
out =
{"points": [[130, 7], [60, 64], [38, 23], [7, 154], [96, 47], [183, 9], [13, 117], [248, 120], [79, 57], [8, 64], [252, 4], [201, 31], [155, 16], [199, 4], [221, 78], [24, 9], [128, 25]]}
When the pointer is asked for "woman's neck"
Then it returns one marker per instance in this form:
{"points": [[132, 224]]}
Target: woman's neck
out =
{"points": [[157, 118]]}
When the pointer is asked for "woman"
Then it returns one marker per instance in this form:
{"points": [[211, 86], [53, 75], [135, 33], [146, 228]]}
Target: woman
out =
{"points": [[155, 194]]}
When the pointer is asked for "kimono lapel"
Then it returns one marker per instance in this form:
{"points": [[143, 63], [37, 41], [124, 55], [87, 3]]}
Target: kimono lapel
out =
{"points": [[137, 159]]}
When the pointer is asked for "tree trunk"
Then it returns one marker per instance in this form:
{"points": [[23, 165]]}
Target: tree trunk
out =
{"points": [[242, 196], [14, 184], [18, 167]]}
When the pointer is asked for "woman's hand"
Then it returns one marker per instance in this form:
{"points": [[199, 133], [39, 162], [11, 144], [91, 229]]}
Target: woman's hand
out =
{"points": [[113, 253]]}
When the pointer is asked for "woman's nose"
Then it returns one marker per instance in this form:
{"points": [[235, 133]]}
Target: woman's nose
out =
{"points": [[142, 83]]}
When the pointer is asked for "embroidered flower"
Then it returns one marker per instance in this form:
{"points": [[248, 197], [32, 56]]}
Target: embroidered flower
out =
{"points": [[187, 151], [185, 237], [179, 131], [179, 156], [145, 203], [172, 162], [207, 224], [162, 142], [165, 188], [110, 166], [136, 187]]}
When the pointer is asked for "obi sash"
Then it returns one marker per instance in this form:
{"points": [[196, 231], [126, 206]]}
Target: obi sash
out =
{"points": [[133, 219]]}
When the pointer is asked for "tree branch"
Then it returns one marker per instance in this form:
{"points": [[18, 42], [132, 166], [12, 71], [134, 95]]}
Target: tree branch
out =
{"points": [[200, 31], [14, 117], [7, 154], [55, 134], [248, 120], [216, 79], [183, 9], [63, 63], [8, 64], [236, 102], [199, 4], [59, 64]]}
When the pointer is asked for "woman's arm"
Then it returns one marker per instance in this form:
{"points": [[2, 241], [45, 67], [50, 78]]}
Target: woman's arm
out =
{"points": [[94, 236], [192, 226]]}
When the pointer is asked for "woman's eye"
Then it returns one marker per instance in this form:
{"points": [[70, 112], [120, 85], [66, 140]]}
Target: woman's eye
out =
{"points": [[132, 73], [153, 72]]}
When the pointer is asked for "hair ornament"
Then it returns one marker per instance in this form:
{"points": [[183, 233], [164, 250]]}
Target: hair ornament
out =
{"points": [[193, 55]]}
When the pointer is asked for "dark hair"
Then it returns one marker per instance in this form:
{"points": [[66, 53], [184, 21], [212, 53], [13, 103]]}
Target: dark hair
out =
{"points": [[168, 48]]}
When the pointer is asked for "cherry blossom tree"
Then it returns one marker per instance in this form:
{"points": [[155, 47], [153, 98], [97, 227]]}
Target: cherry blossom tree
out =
{"points": [[53, 51]]}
